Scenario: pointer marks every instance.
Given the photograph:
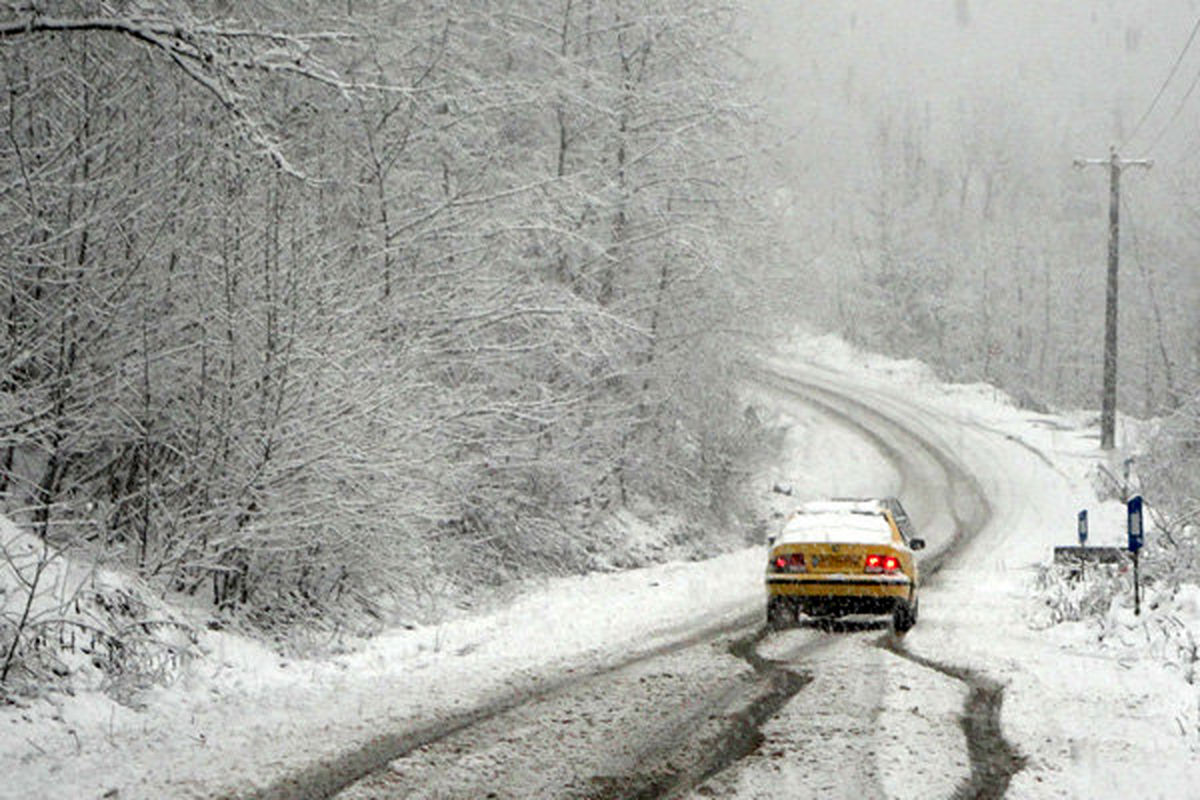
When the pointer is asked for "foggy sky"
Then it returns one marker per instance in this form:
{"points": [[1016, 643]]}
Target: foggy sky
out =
{"points": [[1075, 75]]}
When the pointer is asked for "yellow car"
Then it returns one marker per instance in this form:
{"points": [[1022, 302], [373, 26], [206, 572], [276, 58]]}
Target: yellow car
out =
{"points": [[844, 557]]}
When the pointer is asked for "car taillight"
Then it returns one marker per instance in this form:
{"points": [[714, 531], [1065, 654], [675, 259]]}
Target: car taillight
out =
{"points": [[790, 562], [879, 563]]}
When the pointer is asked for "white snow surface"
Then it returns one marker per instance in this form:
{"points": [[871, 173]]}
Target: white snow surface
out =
{"points": [[847, 528], [1098, 717]]}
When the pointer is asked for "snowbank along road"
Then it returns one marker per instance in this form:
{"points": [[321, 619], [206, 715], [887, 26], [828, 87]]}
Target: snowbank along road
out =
{"points": [[661, 681], [831, 710]]}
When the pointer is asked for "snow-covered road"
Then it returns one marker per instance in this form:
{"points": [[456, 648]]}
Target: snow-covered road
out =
{"points": [[677, 722], [878, 721], [1087, 718], [597, 685]]}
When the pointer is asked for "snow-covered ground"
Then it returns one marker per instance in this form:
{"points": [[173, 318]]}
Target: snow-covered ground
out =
{"points": [[1098, 710], [1111, 718]]}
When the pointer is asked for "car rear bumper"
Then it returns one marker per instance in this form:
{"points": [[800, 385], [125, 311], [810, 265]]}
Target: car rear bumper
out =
{"points": [[892, 587]]}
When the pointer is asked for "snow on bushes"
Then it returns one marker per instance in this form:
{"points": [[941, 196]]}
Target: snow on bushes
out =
{"points": [[68, 624]]}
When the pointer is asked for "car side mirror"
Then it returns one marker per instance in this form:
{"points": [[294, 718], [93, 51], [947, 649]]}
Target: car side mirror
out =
{"points": [[916, 544]]}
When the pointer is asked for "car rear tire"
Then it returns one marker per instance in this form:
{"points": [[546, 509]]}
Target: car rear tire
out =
{"points": [[904, 617], [780, 613]]}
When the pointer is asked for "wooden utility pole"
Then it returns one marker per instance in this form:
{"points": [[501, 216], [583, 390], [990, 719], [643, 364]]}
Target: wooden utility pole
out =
{"points": [[1108, 405]]}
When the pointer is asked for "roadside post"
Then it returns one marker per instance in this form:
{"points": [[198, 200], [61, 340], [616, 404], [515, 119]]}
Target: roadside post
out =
{"points": [[1136, 539], [1077, 557], [1083, 530]]}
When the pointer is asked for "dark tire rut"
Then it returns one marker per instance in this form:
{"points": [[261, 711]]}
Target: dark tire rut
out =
{"points": [[993, 760], [693, 758]]}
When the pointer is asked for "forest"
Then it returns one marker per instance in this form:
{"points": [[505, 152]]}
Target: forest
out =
{"points": [[319, 312], [311, 310]]}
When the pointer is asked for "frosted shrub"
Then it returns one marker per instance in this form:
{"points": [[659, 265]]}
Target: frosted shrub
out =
{"points": [[67, 625], [1170, 471], [1071, 594]]}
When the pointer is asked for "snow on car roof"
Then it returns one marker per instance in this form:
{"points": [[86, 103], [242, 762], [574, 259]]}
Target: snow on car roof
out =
{"points": [[859, 506], [842, 527]]}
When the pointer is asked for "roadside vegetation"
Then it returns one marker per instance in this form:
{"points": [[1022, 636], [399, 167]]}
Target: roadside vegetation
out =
{"points": [[317, 317], [1102, 595]]}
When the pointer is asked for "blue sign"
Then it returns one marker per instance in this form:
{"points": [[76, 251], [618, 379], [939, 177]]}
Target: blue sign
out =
{"points": [[1083, 527], [1136, 535]]}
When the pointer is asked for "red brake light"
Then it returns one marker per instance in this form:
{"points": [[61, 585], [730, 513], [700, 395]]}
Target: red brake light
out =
{"points": [[790, 562], [880, 563]]}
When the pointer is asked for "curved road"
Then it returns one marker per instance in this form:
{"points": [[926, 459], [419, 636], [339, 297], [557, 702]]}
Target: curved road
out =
{"points": [[737, 712]]}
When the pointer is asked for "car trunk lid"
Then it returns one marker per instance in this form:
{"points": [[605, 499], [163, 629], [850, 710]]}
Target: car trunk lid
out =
{"points": [[834, 557]]}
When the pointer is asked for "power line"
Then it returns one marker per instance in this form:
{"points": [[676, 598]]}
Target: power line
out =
{"points": [[1148, 277], [1158, 96], [1178, 109]]}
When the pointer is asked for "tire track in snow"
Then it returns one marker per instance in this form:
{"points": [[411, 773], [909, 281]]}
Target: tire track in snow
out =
{"points": [[994, 761], [964, 498], [683, 764], [660, 775], [327, 778]]}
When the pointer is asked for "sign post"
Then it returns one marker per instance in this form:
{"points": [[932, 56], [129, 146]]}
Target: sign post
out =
{"points": [[1136, 539], [1083, 531]]}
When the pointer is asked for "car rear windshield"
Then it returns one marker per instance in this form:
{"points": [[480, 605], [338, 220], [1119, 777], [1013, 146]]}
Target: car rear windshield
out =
{"points": [[843, 528]]}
